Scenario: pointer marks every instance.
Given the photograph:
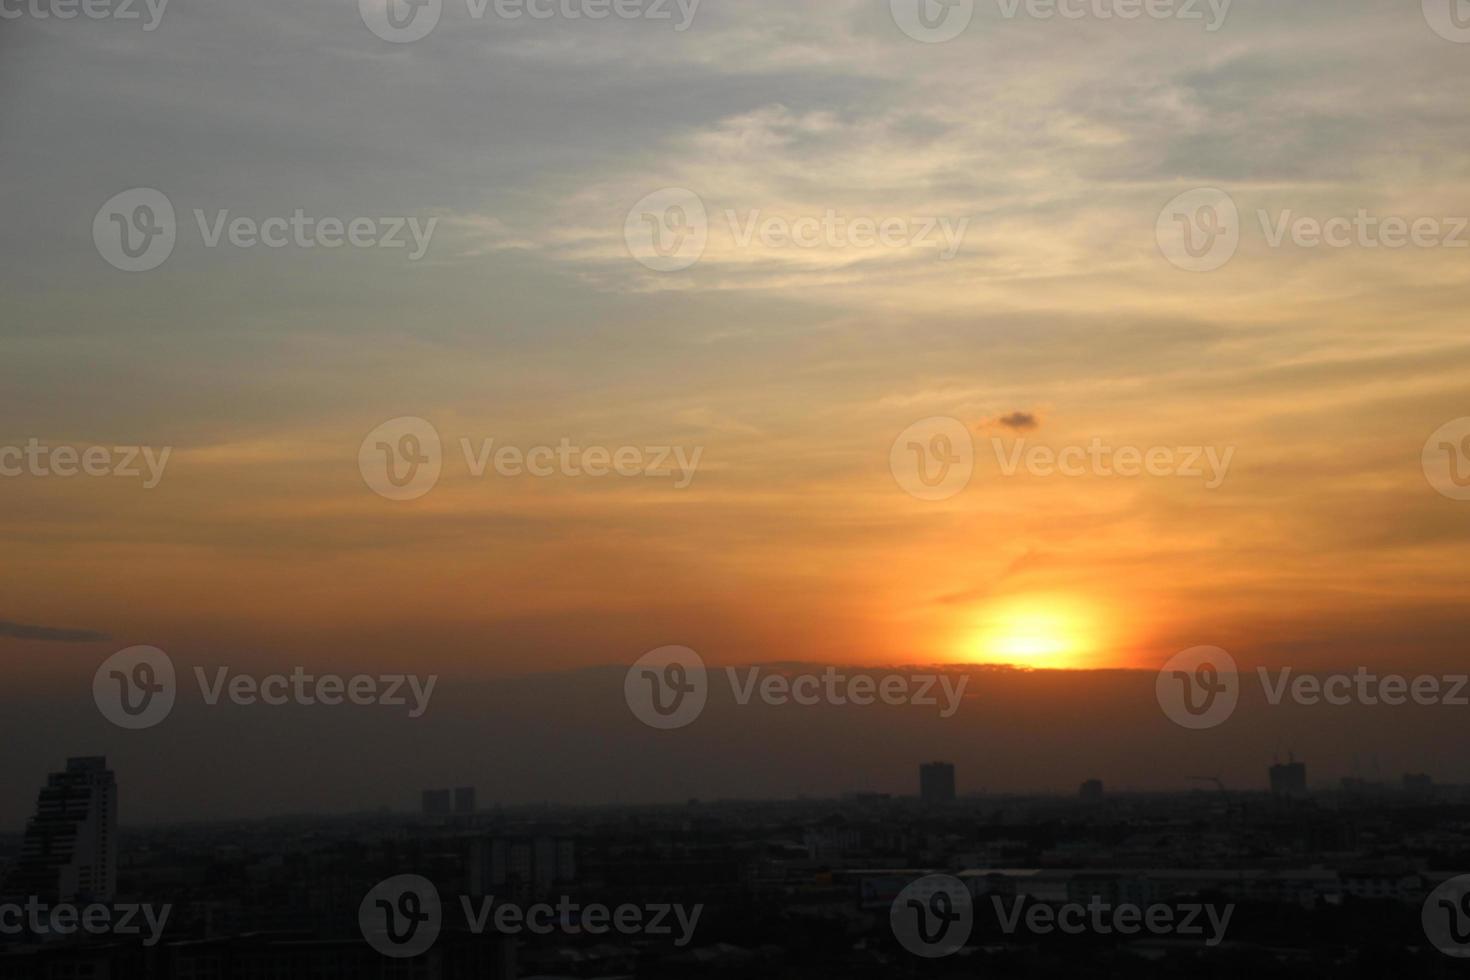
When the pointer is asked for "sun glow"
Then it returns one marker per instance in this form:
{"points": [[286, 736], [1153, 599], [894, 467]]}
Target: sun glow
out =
{"points": [[1035, 631]]}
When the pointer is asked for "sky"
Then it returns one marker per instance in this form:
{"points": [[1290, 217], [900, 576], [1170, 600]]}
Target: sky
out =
{"points": [[1290, 391]]}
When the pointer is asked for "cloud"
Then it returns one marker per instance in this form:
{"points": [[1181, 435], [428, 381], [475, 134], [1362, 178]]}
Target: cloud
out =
{"points": [[1018, 421], [50, 634]]}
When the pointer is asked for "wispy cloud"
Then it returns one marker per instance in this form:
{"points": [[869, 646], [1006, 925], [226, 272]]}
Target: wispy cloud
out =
{"points": [[50, 634]]}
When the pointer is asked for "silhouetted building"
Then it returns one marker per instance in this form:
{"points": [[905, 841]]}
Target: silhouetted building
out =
{"points": [[464, 800], [70, 846], [1092, 790], [1289, 779], [936, 782], [1418, 784], [521, 867]]}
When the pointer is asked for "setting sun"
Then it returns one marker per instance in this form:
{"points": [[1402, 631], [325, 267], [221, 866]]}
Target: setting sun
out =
{"points": [[1035, 631]]}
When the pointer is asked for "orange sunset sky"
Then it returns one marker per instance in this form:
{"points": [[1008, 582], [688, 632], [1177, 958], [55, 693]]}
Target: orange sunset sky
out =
{"points": [[793, 371]]}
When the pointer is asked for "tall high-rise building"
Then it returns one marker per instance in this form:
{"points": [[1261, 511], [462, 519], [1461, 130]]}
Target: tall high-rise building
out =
{"points": [[936, 782], [70, 847], [464, 799], [1091, 790]]}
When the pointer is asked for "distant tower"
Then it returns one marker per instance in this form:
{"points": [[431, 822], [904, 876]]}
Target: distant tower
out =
{"points": [[936, 782], [1289, 779], [1092, 790], [70, 846], [464, 800]]}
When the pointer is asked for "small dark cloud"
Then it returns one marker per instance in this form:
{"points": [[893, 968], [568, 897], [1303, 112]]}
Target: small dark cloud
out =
{"points": [[1018, 421], [50, 634]]}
